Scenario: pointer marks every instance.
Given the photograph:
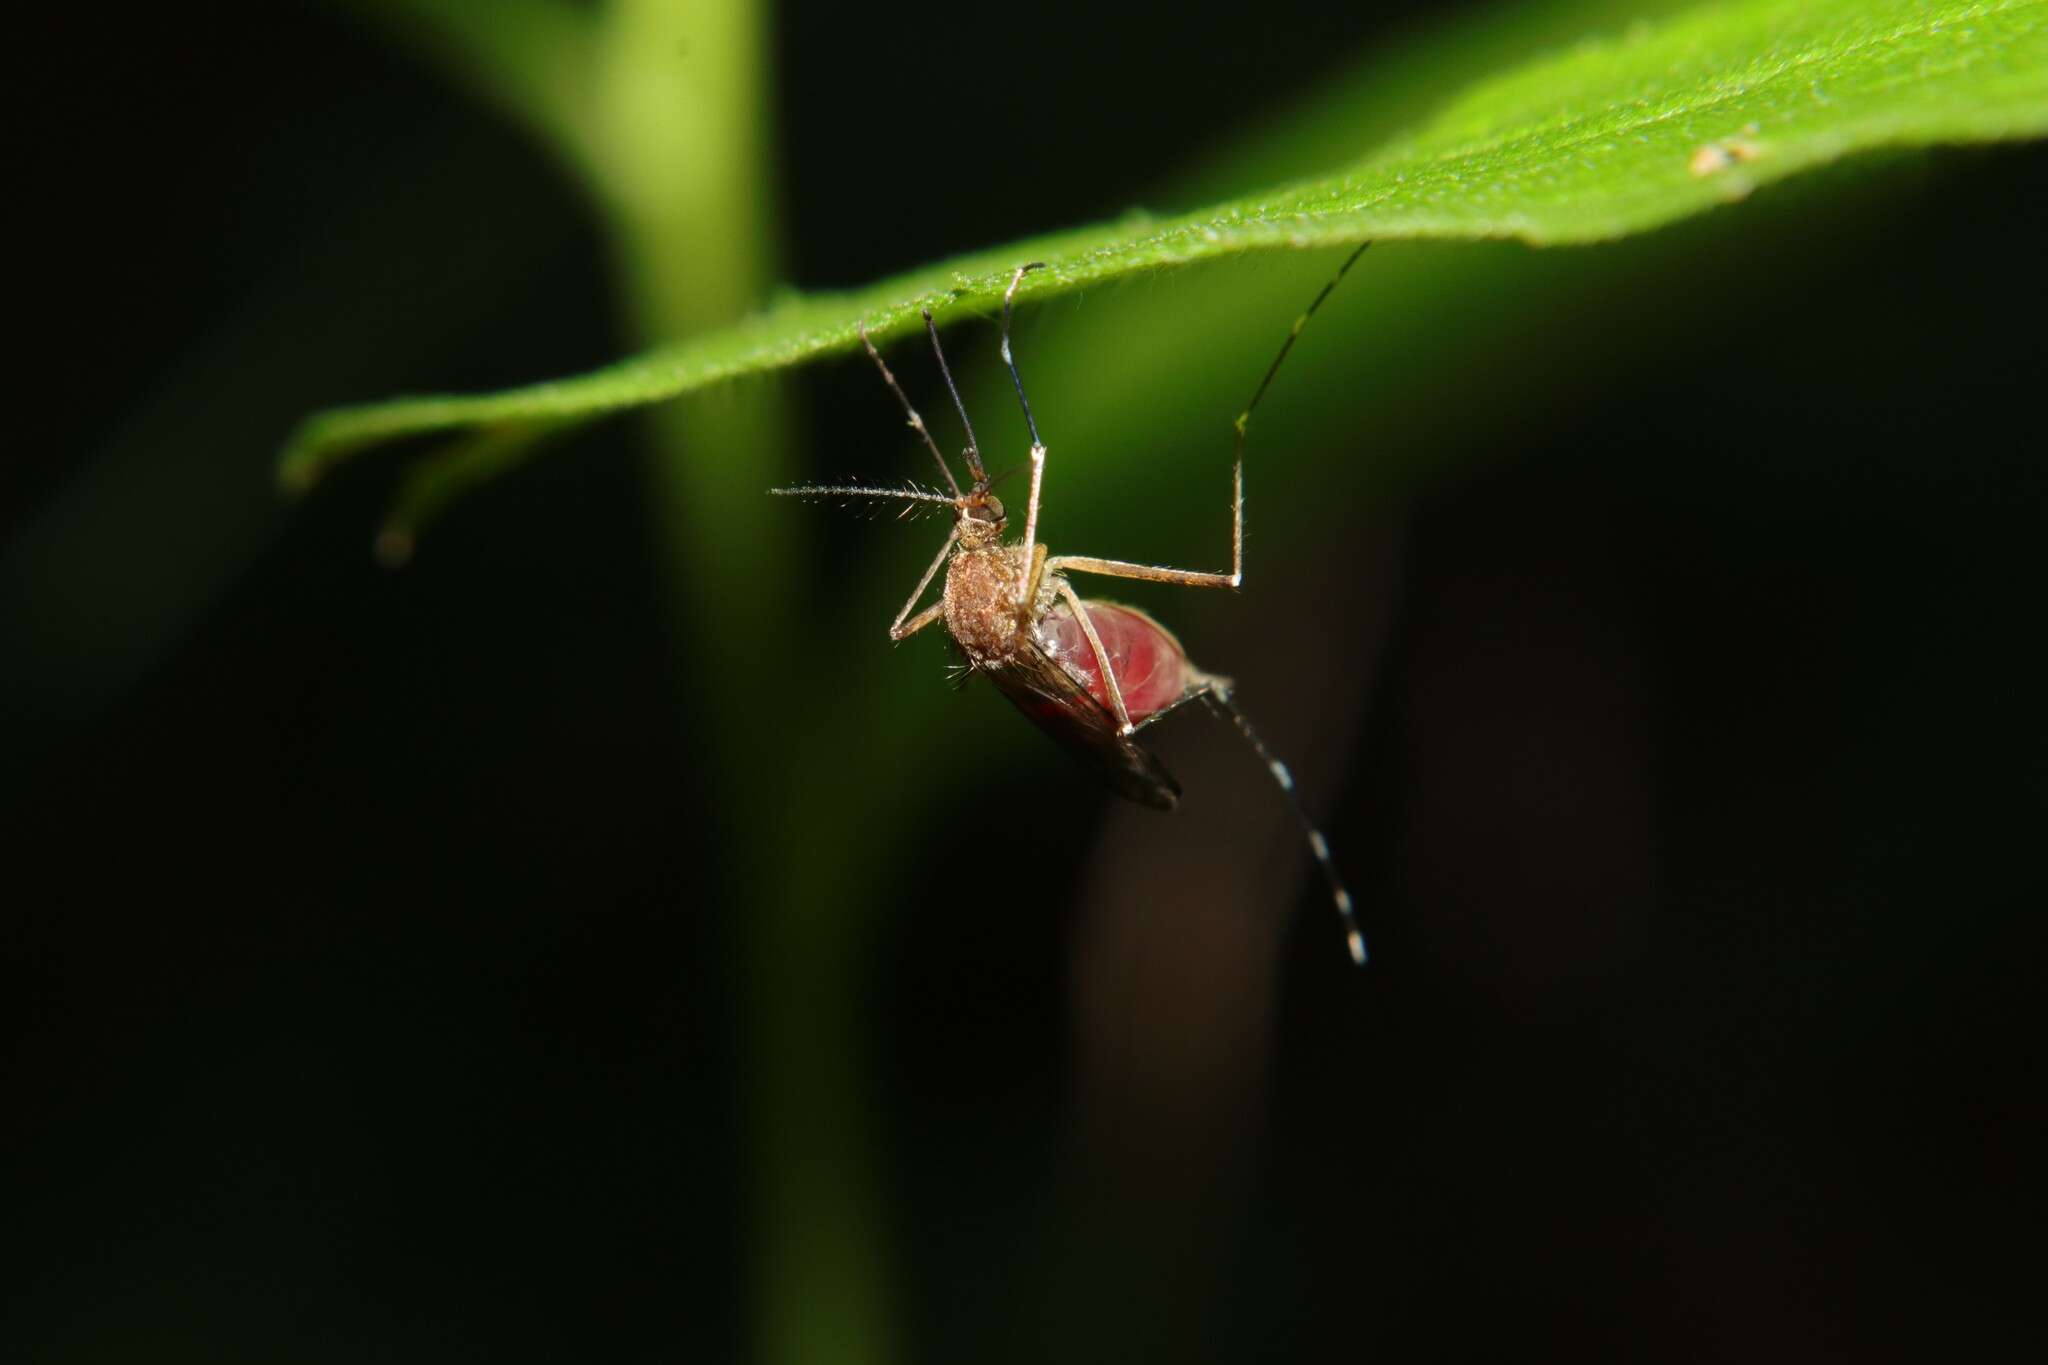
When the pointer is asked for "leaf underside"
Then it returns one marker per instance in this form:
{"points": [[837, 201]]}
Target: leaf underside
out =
{"points": [[1612, 137]]}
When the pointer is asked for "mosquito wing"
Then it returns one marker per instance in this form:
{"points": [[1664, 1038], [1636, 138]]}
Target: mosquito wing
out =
{"points": [[1058, 704]]}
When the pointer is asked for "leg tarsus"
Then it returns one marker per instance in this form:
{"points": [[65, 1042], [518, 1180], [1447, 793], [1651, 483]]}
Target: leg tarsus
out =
{"points": [[973, 451], [1217, 694], [916, 422], [1009, 295]]}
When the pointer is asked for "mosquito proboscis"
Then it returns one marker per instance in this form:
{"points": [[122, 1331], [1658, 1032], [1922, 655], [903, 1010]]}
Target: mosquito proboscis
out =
{"points": [[1090, 674]]}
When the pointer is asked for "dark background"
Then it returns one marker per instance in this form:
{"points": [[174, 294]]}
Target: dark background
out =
{"points": [[367, 962]]}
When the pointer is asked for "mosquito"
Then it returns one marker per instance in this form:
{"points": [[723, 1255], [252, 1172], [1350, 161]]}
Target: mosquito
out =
{"points": [[1091, 674]]}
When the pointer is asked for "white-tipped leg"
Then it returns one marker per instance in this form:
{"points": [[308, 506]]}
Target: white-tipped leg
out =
{"points": [[1217, 694]]}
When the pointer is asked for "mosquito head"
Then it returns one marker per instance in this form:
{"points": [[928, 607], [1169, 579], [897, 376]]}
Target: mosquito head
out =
{"points": [[980, 517]]}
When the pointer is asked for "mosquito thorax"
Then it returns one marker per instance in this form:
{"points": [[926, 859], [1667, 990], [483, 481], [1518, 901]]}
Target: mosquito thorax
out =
{"points": [[982, 612]]}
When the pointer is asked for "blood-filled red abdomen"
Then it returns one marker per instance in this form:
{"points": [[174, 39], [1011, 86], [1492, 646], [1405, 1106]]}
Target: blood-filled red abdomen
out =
{"points": [[1151, 668]]}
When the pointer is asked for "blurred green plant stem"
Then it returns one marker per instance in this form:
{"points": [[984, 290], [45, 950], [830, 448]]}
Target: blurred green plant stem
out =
{"points": [[660, 108]]}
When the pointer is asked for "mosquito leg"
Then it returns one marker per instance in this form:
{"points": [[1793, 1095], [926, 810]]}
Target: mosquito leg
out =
{"points": [[1151, 573], [1037, 445], [899, 631], [1024, 595], [1244, 418], [1216, 692], [916, 422], [1008, 296], [973, 451], [1193, 694], [1109, 682]]}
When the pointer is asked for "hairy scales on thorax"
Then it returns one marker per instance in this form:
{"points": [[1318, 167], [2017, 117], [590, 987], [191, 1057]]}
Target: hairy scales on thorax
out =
{"points": [[982, 610]]}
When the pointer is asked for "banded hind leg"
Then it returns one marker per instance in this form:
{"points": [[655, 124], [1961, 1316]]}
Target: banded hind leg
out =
{"points": [[1216, 693]]}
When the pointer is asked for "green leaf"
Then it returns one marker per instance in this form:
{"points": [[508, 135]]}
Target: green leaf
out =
{"points": [[1618, 135]]}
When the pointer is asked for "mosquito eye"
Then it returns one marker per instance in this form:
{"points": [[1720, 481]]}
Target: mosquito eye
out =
{"points": [[991, 509]]}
